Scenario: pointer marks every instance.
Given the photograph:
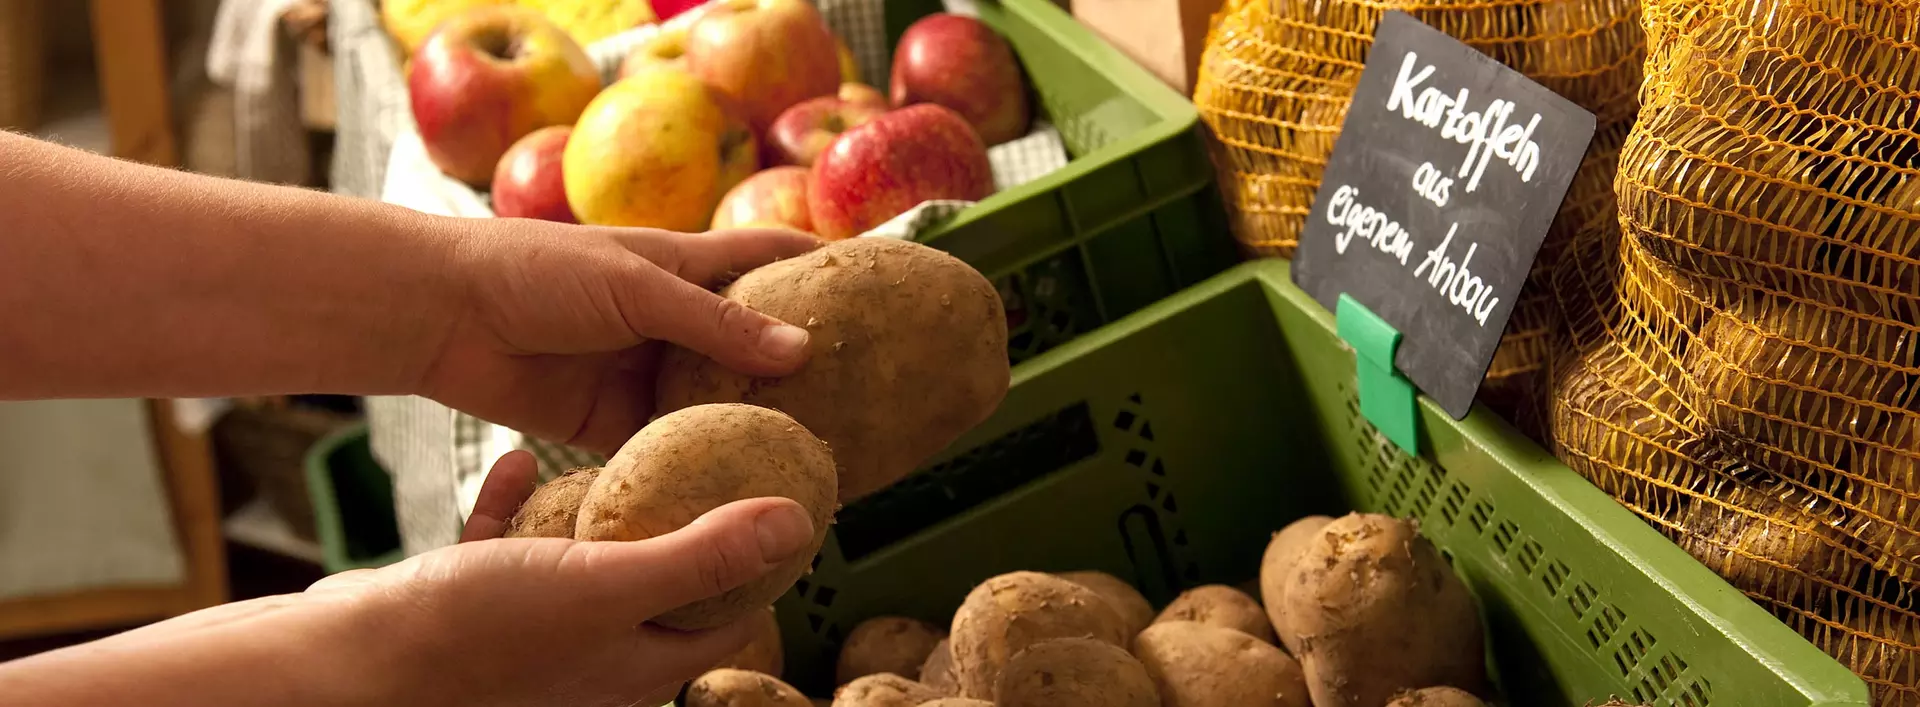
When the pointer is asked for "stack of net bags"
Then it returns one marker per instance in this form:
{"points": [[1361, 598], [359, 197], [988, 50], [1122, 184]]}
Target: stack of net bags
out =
{"points": [[1276, 77], [1740, 363]]}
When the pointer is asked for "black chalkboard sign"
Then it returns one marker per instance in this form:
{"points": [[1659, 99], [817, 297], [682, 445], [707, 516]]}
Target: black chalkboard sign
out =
{"points": [[1448, 171]]}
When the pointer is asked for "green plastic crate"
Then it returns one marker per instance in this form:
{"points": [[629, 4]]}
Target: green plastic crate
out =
{"points": [[352, 503], [1167, 447], [1131, 219]]}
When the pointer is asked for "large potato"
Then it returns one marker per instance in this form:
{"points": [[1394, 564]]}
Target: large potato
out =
{"points": [[884, 690], [909, 350], [1222, 606], [1439, 697], [887, 644], [1282, 552], [1075, 672], [695, 460], [764, 654], [1377, 612], [1127, 601], [553, 508], [957, 702], [1008, 613], [1196, 665], [727, 687]]}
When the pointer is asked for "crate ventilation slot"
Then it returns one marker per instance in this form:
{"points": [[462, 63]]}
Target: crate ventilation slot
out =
{"points": [[940, 492], [1143, 457], [1048, 304]]}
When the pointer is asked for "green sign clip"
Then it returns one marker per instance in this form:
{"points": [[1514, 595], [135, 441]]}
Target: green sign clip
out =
{"points": [[1386, 396]]}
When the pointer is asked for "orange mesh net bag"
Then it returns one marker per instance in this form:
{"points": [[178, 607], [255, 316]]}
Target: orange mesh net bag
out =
{"points": [[1740, 357], [1276, 77]]}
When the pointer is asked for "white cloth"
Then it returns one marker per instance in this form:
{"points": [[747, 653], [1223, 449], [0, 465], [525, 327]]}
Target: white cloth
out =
{"points": [[249, 55]]}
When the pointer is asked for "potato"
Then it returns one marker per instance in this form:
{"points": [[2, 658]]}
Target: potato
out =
{"points": [[887, 644], [765, 654], [957, 702], [1127, 601], [909, 350], [937, 671], [1282, 552], [1219, 605], [694, 460], [552, 509], [1437, 697], [1075, 672], [884, 690], [1008, 613], [1197, 665], [1377, 612], [727, 687]]}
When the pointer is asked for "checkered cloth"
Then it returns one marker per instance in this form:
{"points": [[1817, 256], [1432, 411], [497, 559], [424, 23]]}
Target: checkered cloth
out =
{"points": [[439, 456]]}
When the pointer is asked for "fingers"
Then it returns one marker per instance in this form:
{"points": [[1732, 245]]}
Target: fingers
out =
{"points": [[675, 657], [724, 330], [707, 259], [508, 485], [623, 403], [726, 548]]}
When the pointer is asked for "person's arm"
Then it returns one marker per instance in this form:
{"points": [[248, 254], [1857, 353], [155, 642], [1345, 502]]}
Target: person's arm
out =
{"points": [[126, 280]]}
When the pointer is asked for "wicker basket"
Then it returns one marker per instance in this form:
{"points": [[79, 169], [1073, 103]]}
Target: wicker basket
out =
{"points": [[23, 58]]}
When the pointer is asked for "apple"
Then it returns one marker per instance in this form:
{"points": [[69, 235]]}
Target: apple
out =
{"points": [[854, 92], [889, 165], [800, 134], [528, 183], [488, 77], [960, 63], [766, 54], [656, 149], [666, 47], [773, 197]]}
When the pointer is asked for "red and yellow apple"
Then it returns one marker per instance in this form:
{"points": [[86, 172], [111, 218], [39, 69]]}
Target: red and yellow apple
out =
{"points": [[656, 149], [528, 184], [766, 54], [666, 47], [773, 197], [853, 92], [800, 134], [488, 77], [891, 164], [961, 63]]}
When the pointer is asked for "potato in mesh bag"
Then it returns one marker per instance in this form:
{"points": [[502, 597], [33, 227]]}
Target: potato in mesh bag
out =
{"points": [[1883, 648], [1767, 543]]}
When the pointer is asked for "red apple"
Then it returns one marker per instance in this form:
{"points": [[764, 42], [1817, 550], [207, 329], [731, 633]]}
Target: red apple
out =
{"points": [[489, 76], [960, 63], [765, 54], [800, 134], [886, 167], [527, 184], [853, 92], [774, 197]]}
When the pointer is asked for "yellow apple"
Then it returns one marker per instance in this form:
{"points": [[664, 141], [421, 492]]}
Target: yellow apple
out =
{"points": [[410, 21], [668, 47], [590, 21], [849, 69], [656, 149]]}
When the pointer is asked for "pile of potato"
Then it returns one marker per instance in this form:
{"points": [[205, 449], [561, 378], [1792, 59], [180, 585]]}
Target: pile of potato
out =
{"points": [[1368, 613], [908, 351]]}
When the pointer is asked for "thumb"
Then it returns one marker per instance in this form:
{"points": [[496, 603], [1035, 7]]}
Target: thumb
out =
{"points": [[721, 329], [728, 547]]}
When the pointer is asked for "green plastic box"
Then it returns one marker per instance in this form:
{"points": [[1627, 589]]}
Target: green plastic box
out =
{"points": [[352, 503], [1167, 447], [1131, 219]]}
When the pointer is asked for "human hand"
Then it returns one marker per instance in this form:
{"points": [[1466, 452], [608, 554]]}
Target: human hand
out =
{"points": [[563, 326]]}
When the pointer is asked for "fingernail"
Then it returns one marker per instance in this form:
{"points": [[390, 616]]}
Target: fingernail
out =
{"points": [[783, 342], [784, 532]]}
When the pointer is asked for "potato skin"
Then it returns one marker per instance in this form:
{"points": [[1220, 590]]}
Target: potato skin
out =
{"points": [[1281, 554], [1219, 605], [1437, 697], [1197, 665], [957, 702], [1127, 601], [908, 351], [553, 508], [887, 644], [1075, 672], [742, 688], [765, 654], [937, 671], [884, 690], [1008, 613], [1377, 612], [692, 461]]}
